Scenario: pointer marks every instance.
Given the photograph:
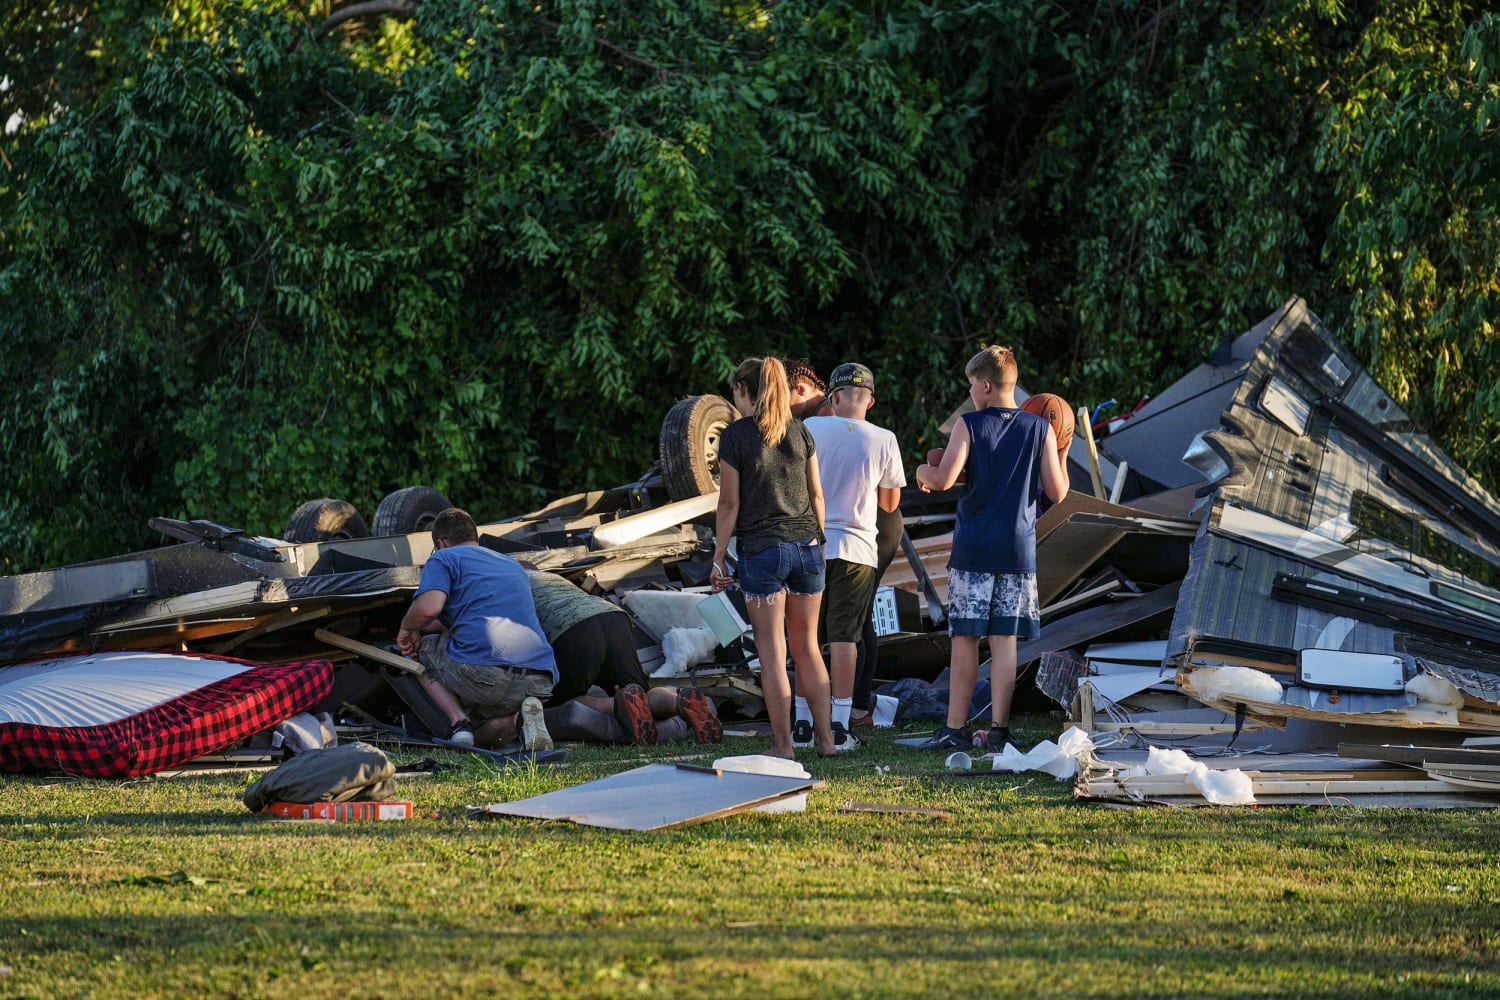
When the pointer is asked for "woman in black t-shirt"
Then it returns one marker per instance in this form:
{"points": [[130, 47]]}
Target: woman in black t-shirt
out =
{"points": [[770, 497]]}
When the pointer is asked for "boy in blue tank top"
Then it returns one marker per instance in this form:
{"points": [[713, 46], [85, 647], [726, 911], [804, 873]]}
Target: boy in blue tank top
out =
{"points": [[1005, 452]]}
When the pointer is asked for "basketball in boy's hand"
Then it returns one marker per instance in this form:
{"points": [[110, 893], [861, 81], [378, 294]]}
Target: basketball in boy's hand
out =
{"points": [[1056, 411], [935, 459]]}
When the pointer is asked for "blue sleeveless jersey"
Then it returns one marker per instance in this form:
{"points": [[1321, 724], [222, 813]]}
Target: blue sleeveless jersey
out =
{"points": [[996, 529]]}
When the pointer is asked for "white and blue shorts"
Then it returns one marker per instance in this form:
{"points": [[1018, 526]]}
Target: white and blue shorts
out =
{"points": [[985, 604]]}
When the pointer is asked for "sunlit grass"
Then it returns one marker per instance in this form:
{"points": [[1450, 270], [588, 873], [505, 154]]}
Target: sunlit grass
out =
{"points": [[1022, 891]]}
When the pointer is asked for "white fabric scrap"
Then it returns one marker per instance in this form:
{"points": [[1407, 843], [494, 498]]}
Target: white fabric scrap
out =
{"points": [[1236, 684], [1060, 759]]}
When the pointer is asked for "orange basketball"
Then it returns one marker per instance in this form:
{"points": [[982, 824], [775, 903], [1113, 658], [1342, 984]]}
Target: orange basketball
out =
{"points": [[1057, 412]]}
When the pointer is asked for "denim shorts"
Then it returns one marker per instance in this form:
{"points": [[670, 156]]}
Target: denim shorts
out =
{"points": [[794, 566]]}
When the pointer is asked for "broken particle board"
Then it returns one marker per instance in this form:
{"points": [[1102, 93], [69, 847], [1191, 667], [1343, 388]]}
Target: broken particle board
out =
{"points": [[655, 797]]}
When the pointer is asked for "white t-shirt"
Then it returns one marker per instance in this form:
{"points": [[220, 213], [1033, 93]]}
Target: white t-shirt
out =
{"points": [[854, 458]]}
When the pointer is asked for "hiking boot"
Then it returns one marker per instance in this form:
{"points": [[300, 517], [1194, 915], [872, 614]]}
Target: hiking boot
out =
{"points": [[802, 733], [633, 713], [844, 740], [699, 713], [462, 733], [533, 727], [948, 739]]}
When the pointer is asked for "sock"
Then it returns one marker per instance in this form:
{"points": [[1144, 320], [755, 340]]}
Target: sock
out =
{"points": [[841, 708], [803, 713]]}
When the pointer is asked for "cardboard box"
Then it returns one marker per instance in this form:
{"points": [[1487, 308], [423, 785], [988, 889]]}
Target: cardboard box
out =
{"points": [[339, 812]]}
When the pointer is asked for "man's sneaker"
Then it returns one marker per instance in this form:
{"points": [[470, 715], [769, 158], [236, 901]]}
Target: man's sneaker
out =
{"points": [[533, 727], [699, 713], [633, 713], [864, 721], [462, 733], [999, 736], [948, 739], [802, 733], [843, 739]]}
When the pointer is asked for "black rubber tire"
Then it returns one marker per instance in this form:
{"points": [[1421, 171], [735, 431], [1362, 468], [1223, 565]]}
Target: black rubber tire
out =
{"points": [[325, 520], [690, 445], [413, 508]]}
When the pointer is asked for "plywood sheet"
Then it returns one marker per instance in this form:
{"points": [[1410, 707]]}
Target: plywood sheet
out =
{"points": [[656, 796]]}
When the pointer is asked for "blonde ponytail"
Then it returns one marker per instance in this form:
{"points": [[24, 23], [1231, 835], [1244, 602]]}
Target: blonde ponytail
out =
{"points": [[770, 393]]}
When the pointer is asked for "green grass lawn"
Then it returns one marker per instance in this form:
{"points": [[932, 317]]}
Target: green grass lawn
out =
{"points": [[1022, 892]]}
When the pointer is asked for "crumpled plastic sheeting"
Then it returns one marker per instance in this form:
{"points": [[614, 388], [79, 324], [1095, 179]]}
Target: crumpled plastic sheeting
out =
{"points": [[1235, 684], [1060, 759], [1222, 788]]}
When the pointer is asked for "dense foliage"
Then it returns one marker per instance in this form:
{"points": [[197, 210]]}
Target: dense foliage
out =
{"points": [[254, 253]]}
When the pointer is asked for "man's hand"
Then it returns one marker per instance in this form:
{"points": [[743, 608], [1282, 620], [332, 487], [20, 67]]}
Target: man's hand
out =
{"points": [[408, 641]]}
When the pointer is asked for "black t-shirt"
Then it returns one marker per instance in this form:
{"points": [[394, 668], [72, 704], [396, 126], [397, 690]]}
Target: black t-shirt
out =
{"points": [[775, 503]]}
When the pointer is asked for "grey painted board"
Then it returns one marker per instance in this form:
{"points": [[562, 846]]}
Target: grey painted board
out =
{"points": [[74, 586], [655, 796]]}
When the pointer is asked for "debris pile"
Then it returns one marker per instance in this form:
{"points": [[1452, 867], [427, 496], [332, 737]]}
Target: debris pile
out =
{"points": [[1268, 556]]}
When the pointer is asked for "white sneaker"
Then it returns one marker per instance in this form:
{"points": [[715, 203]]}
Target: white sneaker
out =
{"points": [[462, 733], [802, 733], [534, 735], [843, 739]]}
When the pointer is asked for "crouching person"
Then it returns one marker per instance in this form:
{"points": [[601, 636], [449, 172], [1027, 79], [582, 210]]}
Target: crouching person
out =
{"points": [[493, 664], [594, 649]]}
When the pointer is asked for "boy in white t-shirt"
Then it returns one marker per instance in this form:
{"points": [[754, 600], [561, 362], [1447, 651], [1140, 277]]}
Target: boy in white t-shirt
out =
{"points": [[860, 466]]}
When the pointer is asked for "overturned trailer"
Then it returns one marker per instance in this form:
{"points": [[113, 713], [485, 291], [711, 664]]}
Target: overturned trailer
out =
{"points": [[1337, 584], [1342, 552]]}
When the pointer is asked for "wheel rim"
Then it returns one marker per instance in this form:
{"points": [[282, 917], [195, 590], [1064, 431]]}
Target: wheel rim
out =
{"points": [[711, 447]]}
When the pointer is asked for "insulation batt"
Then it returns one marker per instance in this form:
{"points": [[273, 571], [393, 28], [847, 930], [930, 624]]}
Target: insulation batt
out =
{"points": [[1435, 690], [660, 611], [1236, 684], [683, 648]]}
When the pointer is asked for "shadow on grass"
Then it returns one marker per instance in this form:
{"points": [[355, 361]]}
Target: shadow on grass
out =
{"points": [[1226, 957]]}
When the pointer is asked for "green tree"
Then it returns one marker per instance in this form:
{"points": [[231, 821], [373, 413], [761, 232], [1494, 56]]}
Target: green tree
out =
{"points": [[253, 254]]}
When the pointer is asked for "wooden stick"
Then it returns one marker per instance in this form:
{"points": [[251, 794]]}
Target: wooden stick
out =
{"points": [[1088, 439], [368, 651], [1119, 487]]}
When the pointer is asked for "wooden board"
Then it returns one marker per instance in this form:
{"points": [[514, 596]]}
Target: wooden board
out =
{"points": [[655, 797], [368, 651]]}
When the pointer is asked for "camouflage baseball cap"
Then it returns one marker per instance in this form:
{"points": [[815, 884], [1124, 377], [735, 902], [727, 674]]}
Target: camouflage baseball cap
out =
{"points": [[852, 373]]}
